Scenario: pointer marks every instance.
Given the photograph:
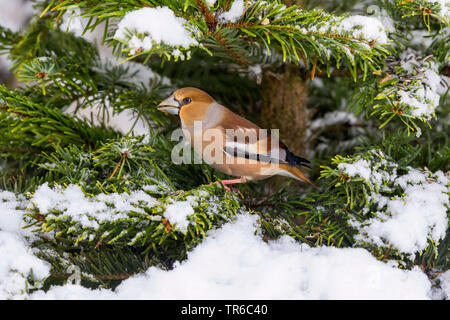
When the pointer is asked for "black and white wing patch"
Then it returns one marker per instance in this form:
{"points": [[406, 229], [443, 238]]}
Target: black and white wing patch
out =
{"points": [[254, 151]]}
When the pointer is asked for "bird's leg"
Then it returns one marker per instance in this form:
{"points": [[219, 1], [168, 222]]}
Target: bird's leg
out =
{"points": [[231, 182]]}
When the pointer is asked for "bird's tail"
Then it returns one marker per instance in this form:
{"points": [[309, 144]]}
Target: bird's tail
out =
{"points": [[296, 173], [293, 160]]}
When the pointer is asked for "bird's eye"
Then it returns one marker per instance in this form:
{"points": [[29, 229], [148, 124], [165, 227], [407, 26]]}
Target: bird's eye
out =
{"points": [[186, 101]]}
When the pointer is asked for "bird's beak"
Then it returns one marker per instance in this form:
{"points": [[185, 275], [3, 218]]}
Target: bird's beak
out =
{"points": [[169, 105]]}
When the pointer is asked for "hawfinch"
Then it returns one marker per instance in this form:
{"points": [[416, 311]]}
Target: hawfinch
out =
{"points": [[228, 142]]}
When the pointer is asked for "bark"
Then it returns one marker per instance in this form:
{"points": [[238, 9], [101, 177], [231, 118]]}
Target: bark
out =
{"points": [[284, 106]]}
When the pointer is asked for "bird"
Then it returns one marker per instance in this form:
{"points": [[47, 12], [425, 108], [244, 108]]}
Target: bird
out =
{"points": [[230, 143]]}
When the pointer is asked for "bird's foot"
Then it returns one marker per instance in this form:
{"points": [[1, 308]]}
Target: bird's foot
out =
{"points": [[227, 189]]}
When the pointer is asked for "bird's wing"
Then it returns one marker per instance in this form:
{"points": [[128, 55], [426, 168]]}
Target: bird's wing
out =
{"points": [[246, 140], [253, 144]]}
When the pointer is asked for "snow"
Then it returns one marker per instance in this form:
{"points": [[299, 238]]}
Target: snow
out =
{"points": [[412, 219], [234, 263], [373, 173], [72, 203], [159, 25], [445, 7], [408, 221], [423, 95], [14, 13], [444, 283], [17, 260], [178, 212], [11, 219], [357, 26], [421, 38], [332, 118], [375, 11], [16, 263], [236, 11], [73, 22], [139, 73], [210, 2], [387, 22], [121, 121], [101, 112], [360, 167], [369, 28]]}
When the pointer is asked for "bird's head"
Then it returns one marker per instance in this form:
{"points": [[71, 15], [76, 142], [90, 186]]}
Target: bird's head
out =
{"points": [[188, 100]]}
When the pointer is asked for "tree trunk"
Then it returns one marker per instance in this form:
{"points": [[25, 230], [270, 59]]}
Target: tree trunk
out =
{"points": [[284, 106]]}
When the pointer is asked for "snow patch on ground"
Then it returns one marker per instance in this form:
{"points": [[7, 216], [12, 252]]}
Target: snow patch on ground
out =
{"points": [[234, 263], [17, 261], [444, 283], [11, 218]]}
